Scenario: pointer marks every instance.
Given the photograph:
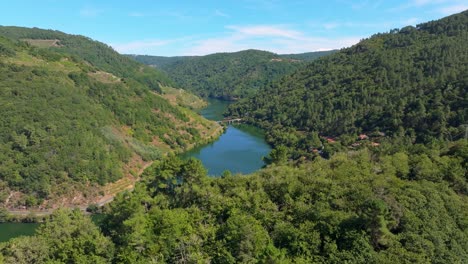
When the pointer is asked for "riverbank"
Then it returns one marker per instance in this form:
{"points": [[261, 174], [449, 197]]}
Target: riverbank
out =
{"points": [[209, 133], [240, 148]]}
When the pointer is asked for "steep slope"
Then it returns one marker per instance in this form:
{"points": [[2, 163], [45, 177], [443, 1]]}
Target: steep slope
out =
{"points": [[69, 125], [225, 75], [408, 83], [96, 53]]}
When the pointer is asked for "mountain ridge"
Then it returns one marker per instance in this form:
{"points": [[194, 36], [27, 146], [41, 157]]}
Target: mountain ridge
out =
{"points": [[70, 126], [228, 75], [410, 82]]}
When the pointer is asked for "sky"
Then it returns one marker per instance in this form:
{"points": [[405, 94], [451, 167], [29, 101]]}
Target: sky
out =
{"points": [[179, 27]]}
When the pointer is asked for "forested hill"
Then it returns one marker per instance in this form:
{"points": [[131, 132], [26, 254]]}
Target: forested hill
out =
{"points": [[225, 75], [76, 114], [160, 62], [349, 209], [396, 202], [308, 56], [96, 53], [411, 82]]}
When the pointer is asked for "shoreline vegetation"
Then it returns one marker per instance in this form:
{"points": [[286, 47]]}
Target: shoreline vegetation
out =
{"points": [[369, 162], [35, 215], [84, 148]]}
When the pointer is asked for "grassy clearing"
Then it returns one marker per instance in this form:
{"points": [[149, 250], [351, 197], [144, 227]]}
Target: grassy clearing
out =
{"points": [[26, 59], [104, 77], [183, 98], [43, 43]]}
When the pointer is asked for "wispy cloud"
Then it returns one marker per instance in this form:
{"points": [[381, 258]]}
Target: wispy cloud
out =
{"points": [[176, 15], [221, 14], [410, 21], [331, 25], [382, 25], [275, 38], [445, 7], [266, 31], [89, 12], [452, 9], [338, 25]]}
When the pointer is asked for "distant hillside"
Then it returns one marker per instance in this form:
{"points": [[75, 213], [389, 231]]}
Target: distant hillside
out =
{"points": [[76, 114], [96, 53], [308, 56], [160, 61], [410, 82], [227, 75]]}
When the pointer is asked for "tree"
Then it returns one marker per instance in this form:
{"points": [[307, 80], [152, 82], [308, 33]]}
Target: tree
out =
{"points": [[73, 238]]}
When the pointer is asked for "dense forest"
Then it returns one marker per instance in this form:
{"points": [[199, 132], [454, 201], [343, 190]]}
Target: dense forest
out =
{"points": [[74, 113], [356, 207], [308, 56], [160, 62], [396, 195], [228, 75], [410, 82], [96, 53]]}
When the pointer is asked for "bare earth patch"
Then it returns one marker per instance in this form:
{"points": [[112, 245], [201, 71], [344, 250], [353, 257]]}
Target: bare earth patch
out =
{"points": [[104, 77], [43, 43]]}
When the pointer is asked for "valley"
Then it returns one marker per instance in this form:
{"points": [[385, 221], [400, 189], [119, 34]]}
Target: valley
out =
{"points": [[229, 76], [356, 155], [73, 151], [239, 150]]}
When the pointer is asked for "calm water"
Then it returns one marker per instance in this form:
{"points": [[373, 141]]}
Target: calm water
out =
{"points": [[215, 109], [11, 230], [240, 149]]}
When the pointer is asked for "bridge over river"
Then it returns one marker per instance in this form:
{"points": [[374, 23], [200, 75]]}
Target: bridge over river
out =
{"points": [[230, 121]]}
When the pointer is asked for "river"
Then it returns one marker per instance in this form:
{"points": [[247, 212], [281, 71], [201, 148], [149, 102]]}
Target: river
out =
{"points": [[11, 230], [239, 150]]}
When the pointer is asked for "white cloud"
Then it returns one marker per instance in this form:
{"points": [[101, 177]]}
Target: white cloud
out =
{"points": [[448, 10], [278, 39], [266, 31], [308, 44], [215, 45], [275, 38], [331, 25]]}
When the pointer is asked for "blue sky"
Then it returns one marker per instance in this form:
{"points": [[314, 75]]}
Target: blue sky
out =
{"points": [[177, 27]]}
